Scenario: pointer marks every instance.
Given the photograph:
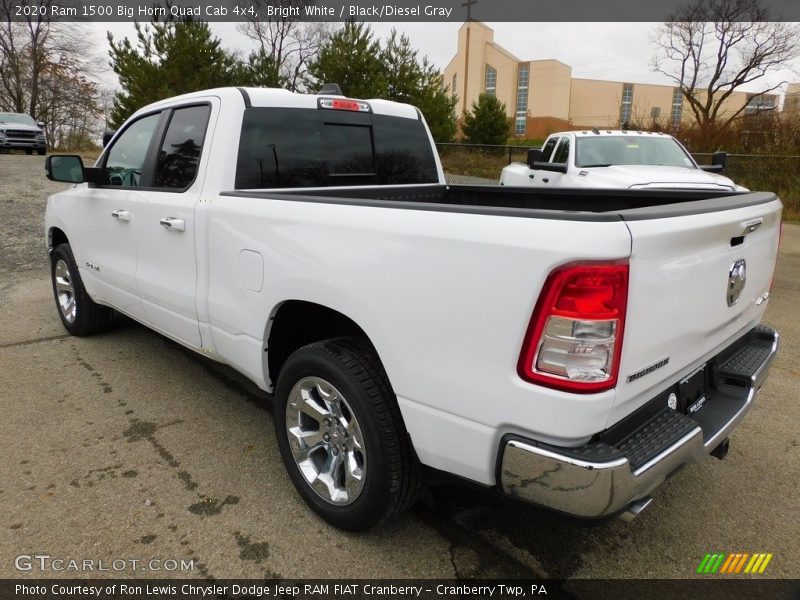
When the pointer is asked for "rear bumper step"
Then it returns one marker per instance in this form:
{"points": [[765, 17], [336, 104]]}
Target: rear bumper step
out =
{"points": [[618, 468]]}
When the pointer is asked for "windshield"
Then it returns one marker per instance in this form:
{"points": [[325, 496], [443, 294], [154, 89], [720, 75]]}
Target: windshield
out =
{"points": [[16, 118], [597, 151]]}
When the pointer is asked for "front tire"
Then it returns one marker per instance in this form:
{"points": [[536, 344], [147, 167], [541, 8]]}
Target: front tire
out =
{"points": [[79, 313], [28, 152], [41, 152], [341, 435]]}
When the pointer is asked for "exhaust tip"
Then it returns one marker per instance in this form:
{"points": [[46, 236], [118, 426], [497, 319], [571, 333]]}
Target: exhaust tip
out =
{"points": [[635, 509], [721, 451]]}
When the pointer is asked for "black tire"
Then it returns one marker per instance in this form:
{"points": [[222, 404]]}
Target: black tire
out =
{"points": [[392, 475], [41, 152], [88, 317], [28, 152]]}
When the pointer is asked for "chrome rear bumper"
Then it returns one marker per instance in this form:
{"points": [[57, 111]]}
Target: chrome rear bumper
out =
{"points": [[601, 479]]}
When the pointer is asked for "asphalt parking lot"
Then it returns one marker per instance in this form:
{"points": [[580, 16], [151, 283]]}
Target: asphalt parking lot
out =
{"points": [[126, 446]]}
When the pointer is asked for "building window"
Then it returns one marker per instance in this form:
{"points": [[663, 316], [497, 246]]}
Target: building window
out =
{"points": [[491, 80], [757, 103], [655, 112], [626, 105], [521, 114], [453, 89], [677, 107]]}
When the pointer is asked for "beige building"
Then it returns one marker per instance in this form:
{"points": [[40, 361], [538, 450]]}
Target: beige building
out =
{"points": [[791, 101], [543, 97]]}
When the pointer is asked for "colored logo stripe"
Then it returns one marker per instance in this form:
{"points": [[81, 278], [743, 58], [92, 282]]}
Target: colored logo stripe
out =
{"points": [[734, 563]]}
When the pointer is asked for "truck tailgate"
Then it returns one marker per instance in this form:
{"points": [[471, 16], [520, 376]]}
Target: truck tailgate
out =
{"points": [[679, 309]]}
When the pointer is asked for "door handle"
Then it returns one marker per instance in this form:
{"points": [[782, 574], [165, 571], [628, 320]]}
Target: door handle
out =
{"points": [[121, 215], [173, 223]]}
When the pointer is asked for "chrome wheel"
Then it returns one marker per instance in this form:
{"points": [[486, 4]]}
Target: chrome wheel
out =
{"points": [[65, 291], [326, 441]]}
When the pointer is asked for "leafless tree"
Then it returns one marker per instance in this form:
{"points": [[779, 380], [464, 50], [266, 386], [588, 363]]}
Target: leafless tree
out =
{"points": [[713, 47], [47, 70], [291, 43]]}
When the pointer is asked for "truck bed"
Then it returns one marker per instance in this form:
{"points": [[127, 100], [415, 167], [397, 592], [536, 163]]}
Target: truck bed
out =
{"points": [[570, 204]]}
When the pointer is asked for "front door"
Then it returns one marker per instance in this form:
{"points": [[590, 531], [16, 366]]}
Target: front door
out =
{"points": [[106, 247]]}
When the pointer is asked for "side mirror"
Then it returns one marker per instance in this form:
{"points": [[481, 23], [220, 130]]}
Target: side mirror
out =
{"points": [[548, 166], [534, 155], [40, 124], [65, 168], [718, 160], [107, 137]]}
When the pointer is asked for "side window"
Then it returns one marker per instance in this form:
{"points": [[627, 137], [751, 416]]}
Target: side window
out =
{"points": [[562, 154], [179, 155], [126, 157], [547, 150]]}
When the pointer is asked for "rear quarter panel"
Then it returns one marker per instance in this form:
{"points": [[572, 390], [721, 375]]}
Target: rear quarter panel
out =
{"points": [[445, 298]]}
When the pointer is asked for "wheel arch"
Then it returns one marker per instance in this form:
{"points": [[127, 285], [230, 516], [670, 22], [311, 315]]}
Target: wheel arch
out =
{"points": [[55, 237], [293, 324]]}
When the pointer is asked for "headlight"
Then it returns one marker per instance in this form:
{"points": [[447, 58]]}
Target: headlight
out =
{"points": [[40, 135]]}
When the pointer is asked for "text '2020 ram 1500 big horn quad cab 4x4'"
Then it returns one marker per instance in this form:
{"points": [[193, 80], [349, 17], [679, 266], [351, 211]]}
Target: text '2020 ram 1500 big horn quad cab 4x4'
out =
{"points": [[570, 348]]}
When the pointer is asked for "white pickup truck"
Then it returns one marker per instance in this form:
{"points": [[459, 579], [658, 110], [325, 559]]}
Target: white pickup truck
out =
{"points": [[616, 159], [571, 348]]}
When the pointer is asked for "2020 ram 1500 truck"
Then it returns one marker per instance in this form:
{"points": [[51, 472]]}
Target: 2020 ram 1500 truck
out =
{"points": [[571, 348], [19, 131]]}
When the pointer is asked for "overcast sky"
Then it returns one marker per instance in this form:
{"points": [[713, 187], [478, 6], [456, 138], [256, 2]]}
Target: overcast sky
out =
{"points": [[615, 51]]}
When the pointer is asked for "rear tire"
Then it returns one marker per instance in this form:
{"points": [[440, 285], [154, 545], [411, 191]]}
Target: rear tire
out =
{"points": [[79, 313], [341, 435]]}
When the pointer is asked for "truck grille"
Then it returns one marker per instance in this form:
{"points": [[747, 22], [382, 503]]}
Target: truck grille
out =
{"points": [[20, 133]]}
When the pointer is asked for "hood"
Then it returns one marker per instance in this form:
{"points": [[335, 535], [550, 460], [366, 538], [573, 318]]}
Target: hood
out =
{"points": [[654, 176], [20, 127]]}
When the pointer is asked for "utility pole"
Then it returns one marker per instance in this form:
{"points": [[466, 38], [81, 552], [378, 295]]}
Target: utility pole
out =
{"points": [[468, 4]]}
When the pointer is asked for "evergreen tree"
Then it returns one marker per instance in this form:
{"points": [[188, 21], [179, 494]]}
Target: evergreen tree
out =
{"points": [[167, 59], [487, 123], [351, 58], [419, 83]]}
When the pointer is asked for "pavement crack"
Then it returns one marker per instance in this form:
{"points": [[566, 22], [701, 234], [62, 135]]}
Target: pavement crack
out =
{"points": [[35, 341]]}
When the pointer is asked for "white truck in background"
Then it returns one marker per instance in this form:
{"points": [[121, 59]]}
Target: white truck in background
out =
{"points": [[571, 348], [616, 159]]}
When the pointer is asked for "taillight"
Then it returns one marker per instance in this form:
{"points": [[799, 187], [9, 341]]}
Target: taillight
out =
{"points": [[574, 339], [344, 104]]}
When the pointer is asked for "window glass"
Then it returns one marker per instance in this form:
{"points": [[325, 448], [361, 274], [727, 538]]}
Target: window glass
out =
{"points": [[491, 80], [547, 150], [126, 157], [562, 154], [630, 150], [287, 147], [179, 155]]}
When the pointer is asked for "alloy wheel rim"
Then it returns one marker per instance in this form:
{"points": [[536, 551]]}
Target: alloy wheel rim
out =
{"points": [[326, 441], [65, 291]]}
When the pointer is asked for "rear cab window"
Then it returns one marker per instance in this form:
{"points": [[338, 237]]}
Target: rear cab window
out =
{"points": [[306, 147]]}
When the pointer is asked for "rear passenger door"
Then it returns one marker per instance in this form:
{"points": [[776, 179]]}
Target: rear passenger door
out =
{"points": [[166, 273]]}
